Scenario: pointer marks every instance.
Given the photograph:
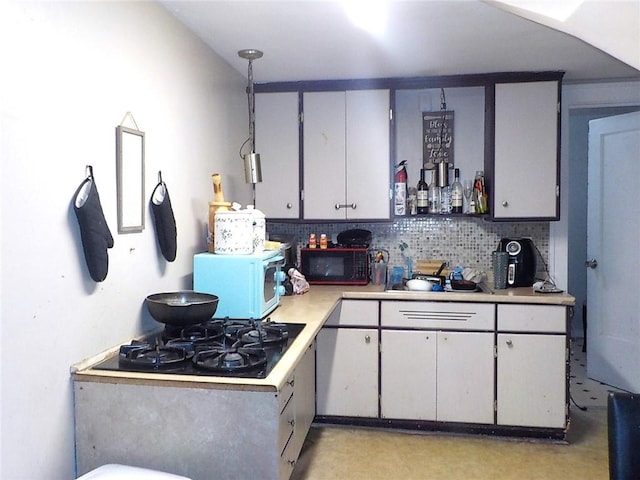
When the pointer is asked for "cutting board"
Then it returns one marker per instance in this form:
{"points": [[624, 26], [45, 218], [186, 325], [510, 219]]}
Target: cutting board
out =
{"points": [[430, 267]]}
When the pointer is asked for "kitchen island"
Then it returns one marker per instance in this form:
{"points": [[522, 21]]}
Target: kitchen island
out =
{"points": [[254, 428]]}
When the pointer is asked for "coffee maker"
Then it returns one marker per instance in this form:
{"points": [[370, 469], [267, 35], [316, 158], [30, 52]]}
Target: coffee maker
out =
{"points": [[521, 269]]}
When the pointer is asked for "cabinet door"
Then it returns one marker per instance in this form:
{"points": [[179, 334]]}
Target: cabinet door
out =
{"points": [[526, 151], [347, 372], [324, 161], [368, 157], [466, 378], [277, 140], [304, 391], [408, 382], [532, 380]]}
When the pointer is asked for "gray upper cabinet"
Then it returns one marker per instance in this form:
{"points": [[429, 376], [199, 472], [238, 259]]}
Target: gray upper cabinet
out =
{"points": [[337, 164], [346, 163], [277, 142], [525, 170]]}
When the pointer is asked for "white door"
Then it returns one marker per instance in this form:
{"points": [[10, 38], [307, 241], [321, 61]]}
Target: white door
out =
{"points": [[613, 230], [408, 382], [466, 377], [347, 372], [531, 380], [526, 151], [324, 160], [368, 164], [278, 195]]}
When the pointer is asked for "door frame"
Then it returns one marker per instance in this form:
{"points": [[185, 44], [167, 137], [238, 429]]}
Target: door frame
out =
{"points": [[579, 96]]}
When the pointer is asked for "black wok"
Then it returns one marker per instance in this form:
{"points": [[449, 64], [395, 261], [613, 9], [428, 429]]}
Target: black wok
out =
{"points": [[182, 308]]}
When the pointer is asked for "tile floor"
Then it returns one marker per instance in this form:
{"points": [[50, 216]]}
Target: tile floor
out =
{"points": [[584, 391], [337, 453]]}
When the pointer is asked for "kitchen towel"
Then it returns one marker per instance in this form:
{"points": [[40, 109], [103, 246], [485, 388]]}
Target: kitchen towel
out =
{"points": [[94, 231], [165, 221]]}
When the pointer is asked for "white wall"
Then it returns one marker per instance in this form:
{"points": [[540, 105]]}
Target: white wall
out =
{"points": [[71, 71]]}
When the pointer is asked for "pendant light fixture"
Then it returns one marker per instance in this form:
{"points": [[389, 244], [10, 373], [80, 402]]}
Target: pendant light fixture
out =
{"points": [[252, 168]]}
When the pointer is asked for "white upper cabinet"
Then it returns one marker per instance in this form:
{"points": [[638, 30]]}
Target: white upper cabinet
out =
{"points": [[525, 177], [346, 163], [277, 142]]}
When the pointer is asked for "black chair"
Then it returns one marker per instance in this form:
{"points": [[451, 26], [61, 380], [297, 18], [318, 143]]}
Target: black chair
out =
{"points": [[623, 415]]}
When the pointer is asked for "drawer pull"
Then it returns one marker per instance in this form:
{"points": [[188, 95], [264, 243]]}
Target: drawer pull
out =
{"points": [[509, 343], [352, 206], [367, 339]]}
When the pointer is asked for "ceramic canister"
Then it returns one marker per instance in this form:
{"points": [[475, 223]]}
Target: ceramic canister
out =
{"points": [[259, 229], [234, 232]]}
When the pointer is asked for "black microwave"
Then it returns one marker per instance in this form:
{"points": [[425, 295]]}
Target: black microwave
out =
{"points": [[335, 266]]}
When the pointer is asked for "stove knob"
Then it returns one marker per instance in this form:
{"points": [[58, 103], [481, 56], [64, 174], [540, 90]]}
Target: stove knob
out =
{"points": [[280, 290], [279, 276]]}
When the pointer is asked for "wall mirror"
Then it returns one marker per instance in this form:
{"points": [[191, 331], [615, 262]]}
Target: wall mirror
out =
{"points": [[130, 179]]}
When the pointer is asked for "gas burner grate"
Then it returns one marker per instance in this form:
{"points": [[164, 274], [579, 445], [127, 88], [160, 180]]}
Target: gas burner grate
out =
{"points": [[242, 348], [229, 360], [147, 356]]}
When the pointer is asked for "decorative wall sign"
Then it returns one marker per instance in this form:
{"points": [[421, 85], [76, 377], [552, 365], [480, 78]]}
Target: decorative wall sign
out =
{"points": [[437, 136]]}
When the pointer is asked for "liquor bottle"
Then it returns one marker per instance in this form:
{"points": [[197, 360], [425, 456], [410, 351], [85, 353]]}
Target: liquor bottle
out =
{"points": [[456, 193], [434, 193], [479, 192], [445, 188], [422, 194]]}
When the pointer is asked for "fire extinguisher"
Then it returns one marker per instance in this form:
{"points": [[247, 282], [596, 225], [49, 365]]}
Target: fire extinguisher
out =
{"points": [[400, 189]]}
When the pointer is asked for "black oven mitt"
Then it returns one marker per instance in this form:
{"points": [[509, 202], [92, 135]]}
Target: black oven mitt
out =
{"points": [[94, 231], [164, 220]]}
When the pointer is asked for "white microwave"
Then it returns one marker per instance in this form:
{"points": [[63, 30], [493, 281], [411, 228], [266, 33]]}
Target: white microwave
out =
{"points": [[248, 286]]}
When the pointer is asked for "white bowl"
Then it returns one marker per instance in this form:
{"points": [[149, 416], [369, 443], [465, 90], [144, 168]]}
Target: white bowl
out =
{"points": [[419, 285]]}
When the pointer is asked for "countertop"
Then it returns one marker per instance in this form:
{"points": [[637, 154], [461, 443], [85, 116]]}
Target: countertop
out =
{"points": [[313, 308]]}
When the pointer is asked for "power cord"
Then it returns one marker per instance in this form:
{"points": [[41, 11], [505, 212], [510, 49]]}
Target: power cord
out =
{"points": [[547, 284]]}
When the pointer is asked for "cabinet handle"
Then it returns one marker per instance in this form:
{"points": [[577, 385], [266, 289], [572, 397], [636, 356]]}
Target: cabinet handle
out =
{"points": [[289, 205], [367, 339], [509, 343], [505, 204], [292, 422], [291, 382], [352, 206], [291, 462]]}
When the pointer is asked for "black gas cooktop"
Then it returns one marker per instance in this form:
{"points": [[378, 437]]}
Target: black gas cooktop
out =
{"points": [[247, 349]]}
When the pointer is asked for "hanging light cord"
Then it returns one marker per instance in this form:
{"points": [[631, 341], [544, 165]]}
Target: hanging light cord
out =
{"points": [[252, 113]]}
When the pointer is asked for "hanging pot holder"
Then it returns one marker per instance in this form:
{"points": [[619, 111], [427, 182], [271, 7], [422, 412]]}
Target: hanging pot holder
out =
{"points": [[94, 231], [164, 220]]}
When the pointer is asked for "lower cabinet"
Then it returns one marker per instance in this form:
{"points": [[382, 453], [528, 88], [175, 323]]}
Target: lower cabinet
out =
{"points": [[408, 382], [304, 391], [532, 366], [492, 365], [347, 372], [298, 410], [347, 361], [447, 377]]}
